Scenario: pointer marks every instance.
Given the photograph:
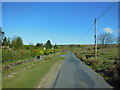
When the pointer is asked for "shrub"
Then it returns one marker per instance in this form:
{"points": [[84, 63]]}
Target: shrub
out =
{"points": [[112, 72], [94, 62], [117, 65], [9, 55], [89, 49], [36, 52], [48, 51], [87, 61]]}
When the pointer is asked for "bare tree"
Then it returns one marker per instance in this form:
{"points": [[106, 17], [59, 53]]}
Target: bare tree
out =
{"points": [[104, 39]]}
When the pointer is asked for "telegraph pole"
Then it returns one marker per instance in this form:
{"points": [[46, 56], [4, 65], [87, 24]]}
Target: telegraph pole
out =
{"points": [[95, 36]]}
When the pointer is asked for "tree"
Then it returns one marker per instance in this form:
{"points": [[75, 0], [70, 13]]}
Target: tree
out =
{"points": [[104, 39], [48, 45], [1, 35], [26, 47], [39, 45], [5, 43], [55, 47], [17, 43], [8, 41]]}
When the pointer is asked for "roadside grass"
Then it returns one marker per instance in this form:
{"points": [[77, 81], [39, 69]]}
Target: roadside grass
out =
{"points": [[55, 55], [0, 68], [107, 64], [28, 75], [17, 60]]}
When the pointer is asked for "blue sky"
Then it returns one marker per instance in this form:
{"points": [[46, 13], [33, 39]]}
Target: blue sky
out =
{"points": [[60, 22], [0, 13]]}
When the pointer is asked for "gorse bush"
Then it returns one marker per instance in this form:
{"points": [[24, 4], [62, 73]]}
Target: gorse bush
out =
{"points": [[48, 51], [38, 52], [15, 54]]}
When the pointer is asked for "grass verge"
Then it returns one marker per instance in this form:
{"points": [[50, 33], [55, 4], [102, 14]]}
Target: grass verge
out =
{"points": [[107, 63], [27, 75]]}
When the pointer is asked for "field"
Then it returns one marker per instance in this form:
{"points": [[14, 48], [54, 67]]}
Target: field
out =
{"points": [[28, 75], [107, 63]]}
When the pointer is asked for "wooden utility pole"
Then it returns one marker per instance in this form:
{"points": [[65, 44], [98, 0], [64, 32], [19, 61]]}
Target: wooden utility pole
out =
{"points": [[95, 36]]}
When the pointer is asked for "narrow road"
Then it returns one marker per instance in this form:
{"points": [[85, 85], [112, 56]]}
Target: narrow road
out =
{"points": [[75, 74]]}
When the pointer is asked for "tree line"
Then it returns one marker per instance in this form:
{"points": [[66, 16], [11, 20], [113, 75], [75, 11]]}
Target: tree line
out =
{"points": [[14, 48], [17, 43]]}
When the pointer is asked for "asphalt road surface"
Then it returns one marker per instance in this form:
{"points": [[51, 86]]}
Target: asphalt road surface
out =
{"points": [[75, 74]]}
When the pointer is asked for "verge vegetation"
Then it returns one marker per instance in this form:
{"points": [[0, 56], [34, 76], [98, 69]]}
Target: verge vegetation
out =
{"points": [[28, 75], [107, 64]]}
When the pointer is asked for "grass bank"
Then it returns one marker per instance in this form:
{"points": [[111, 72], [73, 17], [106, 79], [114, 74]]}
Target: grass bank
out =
{"points": [[107, 64], [28, 75]]}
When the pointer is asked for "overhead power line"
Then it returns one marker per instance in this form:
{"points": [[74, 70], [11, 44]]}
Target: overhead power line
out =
{"points": [[87, 31], [95, 25], [106, 11]]}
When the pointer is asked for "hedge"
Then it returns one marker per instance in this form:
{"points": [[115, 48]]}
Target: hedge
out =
{"points": [[9, 55]]}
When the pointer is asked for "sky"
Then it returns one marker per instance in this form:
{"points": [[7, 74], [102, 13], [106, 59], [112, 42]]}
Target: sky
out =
{"points": [[0, 13], [59, 22]]}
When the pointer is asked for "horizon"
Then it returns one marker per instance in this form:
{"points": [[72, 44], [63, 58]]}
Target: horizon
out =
{"points": [[75, 44]]}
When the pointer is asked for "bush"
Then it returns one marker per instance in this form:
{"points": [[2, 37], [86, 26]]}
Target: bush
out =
{"points": [[38, 52], [94, 62], [89, 49], [111, 71], [48, 51], [9, 55], [35, 52], [87, 61], [117, 65]]}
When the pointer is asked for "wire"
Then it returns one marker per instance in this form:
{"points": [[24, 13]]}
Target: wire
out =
{"points": [[87, 31], [106, 11], [98, 19]]}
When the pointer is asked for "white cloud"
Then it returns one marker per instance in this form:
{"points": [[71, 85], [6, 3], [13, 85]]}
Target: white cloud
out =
{"points": [[108, 30]]}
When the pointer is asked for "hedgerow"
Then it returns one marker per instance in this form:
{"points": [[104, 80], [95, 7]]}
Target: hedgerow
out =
{"points": [[9, 55]]}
